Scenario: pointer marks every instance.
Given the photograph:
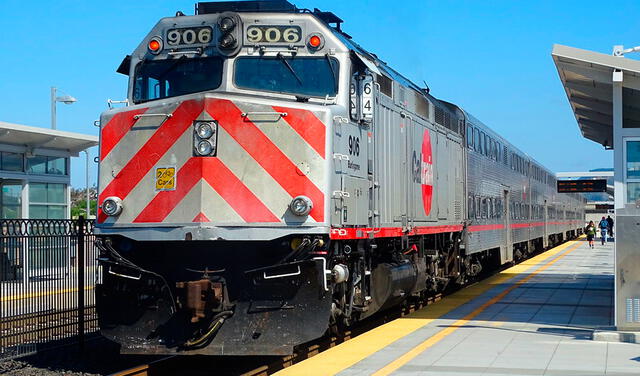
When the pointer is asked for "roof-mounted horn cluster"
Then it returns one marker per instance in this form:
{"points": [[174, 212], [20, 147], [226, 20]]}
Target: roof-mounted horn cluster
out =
{"points": [[274, 6], [245, 6]]}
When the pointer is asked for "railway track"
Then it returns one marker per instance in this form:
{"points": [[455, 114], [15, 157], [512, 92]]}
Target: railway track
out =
{"points": [[45, 326], [203, 365], [263, 366]]}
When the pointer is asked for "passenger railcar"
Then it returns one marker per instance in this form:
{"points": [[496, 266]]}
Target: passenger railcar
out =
{"points": [[269, 179]]}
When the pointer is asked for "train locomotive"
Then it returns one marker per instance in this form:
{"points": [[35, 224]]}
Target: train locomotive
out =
{"points": [[270, 179]]}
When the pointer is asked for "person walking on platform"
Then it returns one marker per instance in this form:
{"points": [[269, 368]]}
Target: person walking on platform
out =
{"points": [[590, 230], [603, 229], [610, 221]]}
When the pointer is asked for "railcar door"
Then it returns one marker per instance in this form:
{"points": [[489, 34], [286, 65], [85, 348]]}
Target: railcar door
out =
{"points": [[442, 177], [507, 252], [545, 237], [351, 156]]}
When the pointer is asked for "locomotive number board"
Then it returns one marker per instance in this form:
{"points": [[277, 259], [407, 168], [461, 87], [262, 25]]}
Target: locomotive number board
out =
{"points": [[273, 34], [189, 36], [576, 186]]}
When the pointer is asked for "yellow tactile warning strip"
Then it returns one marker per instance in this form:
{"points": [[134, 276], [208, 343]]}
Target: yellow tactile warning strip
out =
{"points": [[349, 353], [408, 356]]}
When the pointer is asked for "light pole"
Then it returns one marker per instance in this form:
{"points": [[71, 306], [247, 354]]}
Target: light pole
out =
{"points": [[66, 99], [88, 209]]}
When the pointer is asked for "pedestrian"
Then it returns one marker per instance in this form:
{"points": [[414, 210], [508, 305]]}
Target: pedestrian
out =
{"points": [[603, 229], [610, 220], [590, 230]]}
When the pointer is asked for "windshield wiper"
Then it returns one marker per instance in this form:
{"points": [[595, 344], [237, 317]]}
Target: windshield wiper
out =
{"points": [[286, 63], [333, 72]]}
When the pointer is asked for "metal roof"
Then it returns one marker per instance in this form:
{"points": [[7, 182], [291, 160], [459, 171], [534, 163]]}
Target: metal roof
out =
{"points": [[35, 137], [587, 78]]}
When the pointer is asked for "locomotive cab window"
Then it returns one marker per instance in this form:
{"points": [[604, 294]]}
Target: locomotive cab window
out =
{"points": [[157, 79], [309, 76]]}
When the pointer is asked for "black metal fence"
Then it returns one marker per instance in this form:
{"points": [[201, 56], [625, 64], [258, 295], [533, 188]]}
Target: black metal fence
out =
{"points": [[48, 271]]}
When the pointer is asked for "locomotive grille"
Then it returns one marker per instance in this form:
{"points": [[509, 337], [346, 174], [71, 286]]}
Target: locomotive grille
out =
{"points": [[422, 106], [440, 116], [457, 209], [386, 85], [447, 120]]}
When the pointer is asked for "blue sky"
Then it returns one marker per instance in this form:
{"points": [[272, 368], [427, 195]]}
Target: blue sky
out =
{"points": [[492, 58]]}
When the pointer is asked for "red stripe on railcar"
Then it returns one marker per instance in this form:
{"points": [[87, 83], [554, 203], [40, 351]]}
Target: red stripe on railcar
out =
{"points": [[235, 193], [386, 232], [266, 153], [201, 218], [151, 152], [165, 201], [116, 129], [308, 126], [477, 228], [221, 179]]}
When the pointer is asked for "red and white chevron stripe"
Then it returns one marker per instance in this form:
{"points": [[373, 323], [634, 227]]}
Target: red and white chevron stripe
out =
{"points": [[253, 178]]}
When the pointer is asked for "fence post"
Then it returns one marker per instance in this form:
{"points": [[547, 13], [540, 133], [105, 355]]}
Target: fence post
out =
{"points": [[81, 270]]}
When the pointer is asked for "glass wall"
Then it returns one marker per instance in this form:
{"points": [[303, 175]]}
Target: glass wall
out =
{"points": [[47, 200], [632, 170], [40, 164], [37, 164], [11, 200], [11, 161]]}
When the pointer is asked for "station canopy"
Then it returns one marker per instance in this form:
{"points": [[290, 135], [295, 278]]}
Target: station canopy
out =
{"points": [[35, 137], [587, 77]]}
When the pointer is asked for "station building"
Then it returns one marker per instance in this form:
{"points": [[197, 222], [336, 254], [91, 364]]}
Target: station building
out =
{"points": [[604, 94], [35, 171]]}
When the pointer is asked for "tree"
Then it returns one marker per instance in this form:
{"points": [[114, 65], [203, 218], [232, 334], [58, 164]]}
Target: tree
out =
{"points": [[79, 202]]}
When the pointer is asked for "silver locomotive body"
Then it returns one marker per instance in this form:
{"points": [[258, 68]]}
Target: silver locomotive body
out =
{"points": [[272, 179]]}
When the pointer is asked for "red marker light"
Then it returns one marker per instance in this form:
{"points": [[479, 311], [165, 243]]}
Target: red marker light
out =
{"points": [[315, 41], [154, 45]]}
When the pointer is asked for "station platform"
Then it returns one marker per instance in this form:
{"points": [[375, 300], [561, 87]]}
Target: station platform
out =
{"points": [[535, 318]]}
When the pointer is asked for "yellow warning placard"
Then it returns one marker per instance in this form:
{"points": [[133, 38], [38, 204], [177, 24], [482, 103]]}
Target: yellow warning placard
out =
{"points": [[165, 178]]}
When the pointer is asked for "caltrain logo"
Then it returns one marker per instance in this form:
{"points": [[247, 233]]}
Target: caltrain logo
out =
{"points": [[423, 172]]}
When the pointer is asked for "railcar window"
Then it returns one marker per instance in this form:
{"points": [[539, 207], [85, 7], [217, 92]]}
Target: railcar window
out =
{"points": [[476, 136], [483, 144], [478, 208], [311, 76], [471, 207], [486, 145], [157, 79], [470, 137]]}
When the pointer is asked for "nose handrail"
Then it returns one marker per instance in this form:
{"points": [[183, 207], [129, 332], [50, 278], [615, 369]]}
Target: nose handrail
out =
{"points": [[277, 115], [138, 116]]}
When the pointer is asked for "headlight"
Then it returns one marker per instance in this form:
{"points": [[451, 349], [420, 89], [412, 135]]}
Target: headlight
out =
{"points": [[204, 138], [204, 130], [301, 205], [227, 41], [204, 147], [226, 24], [112, 206]]}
